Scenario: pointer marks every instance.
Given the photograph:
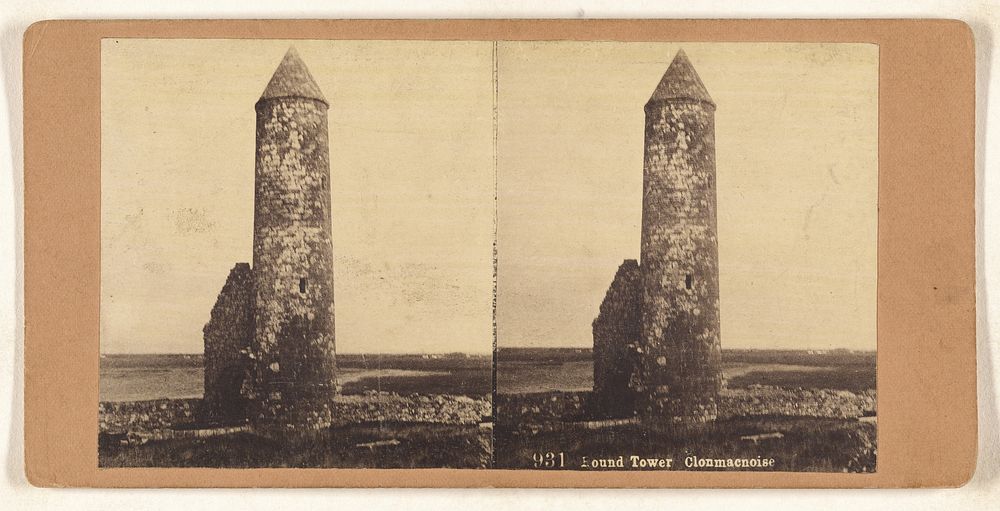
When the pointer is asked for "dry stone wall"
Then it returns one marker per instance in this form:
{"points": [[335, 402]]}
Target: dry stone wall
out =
{"points": [[181, 414]]}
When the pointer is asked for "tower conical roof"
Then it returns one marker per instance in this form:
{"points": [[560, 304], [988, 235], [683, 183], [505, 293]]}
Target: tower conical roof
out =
{"points": [[681, 81], [292, 80]]}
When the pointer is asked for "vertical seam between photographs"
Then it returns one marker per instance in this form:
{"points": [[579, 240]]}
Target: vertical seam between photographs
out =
{"points": [[496, 130]]}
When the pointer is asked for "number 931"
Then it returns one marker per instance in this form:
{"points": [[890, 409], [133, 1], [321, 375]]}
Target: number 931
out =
{"points": [[549, 459]]}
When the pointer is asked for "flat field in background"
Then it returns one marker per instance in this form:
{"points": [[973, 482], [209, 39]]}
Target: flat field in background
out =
{"points": [[176, 376], [531, 370]]}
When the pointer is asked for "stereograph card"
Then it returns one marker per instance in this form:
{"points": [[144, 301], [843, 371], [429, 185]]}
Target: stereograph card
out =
{"points": [[499, 253]]}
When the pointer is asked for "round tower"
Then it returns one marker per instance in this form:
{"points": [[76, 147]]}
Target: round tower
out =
{"points": [[293, 375], [681, 351]]}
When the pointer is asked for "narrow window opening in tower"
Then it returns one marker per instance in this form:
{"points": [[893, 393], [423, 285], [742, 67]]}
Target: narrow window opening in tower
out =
{"points": [[688, 281], [302, 285]]}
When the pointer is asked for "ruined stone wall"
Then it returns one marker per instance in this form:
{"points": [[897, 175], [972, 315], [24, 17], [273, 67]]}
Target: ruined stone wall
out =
{"points": [[144, 416], [764, 400], [616, 338], [294, 374], [390, 407], [227, 337], [386, 407], [513, 411], [679, 260]]}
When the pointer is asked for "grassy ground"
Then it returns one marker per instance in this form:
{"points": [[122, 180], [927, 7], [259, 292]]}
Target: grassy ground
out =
{"points": [[811, 445], [420, 446], [468, 381], [469, 375]]}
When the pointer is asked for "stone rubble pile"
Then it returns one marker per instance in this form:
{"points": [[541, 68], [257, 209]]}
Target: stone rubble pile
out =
{"points": [[753, 401], [125, 416], [375, 406], [161, 414], [541, 407], [757, 400]]}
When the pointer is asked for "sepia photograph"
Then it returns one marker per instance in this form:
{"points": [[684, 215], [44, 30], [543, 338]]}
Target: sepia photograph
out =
{"points": [[686, 256], [488, 254], [599, 254], [297, 253]]}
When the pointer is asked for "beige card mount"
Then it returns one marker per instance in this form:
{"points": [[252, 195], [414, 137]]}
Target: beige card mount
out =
{"points": [[499, 253]]}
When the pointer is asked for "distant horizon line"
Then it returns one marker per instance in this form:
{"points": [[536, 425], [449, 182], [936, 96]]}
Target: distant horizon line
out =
{"points": [[487, 353]]}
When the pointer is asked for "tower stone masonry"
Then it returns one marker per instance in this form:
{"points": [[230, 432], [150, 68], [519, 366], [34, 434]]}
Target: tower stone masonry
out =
{"points": [[681, 369], [292, 379]]}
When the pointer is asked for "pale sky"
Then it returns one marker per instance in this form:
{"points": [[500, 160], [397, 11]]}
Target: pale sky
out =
{"points": [[411, 151], [412, 156], [796, 139]]}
